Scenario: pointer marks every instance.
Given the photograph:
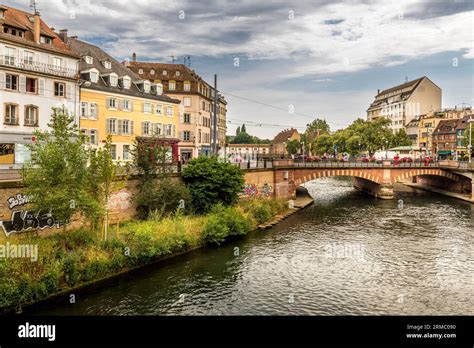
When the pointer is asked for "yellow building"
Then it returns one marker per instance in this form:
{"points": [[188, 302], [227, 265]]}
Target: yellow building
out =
{"points": [[115, 101]]}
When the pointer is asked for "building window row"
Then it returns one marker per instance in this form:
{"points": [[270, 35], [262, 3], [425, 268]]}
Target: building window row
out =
{"points": [[12, 117], [147, 108], [119, 126]]}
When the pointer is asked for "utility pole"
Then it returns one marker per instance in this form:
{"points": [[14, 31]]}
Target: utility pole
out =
{"points": [[470, 139], [214, 126]]}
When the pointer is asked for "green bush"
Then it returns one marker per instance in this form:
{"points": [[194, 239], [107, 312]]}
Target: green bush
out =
{"points": [[162, 198], [262, 213], [71, 269], [215, 231], [211, 181]]}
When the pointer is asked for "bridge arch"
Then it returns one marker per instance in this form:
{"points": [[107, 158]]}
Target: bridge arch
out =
{"points": [[324, 173]]}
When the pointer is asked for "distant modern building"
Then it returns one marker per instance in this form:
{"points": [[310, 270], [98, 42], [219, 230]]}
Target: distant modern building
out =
{"points": [[245, 152], [402, 103], [278, 144], [444, 139], [196, 110], [37, 72]]}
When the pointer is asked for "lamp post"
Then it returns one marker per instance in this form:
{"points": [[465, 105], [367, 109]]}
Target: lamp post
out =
{"points": [[386, 149], [470, 139], [303, 153]]}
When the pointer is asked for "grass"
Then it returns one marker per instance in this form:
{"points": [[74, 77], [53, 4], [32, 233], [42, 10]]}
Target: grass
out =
{"points": [[66, 260]]}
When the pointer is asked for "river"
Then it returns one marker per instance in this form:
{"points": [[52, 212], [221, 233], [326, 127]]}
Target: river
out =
{"points": [[348, 254]]}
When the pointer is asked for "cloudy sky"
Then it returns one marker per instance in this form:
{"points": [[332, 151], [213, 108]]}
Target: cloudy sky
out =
{"points": [[320, 58]]}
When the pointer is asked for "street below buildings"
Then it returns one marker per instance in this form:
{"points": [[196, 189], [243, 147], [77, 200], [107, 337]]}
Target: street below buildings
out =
{"points": [[347, 254]]}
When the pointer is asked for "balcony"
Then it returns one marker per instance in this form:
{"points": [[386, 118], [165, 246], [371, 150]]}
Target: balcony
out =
{"points": [[38, 67]]}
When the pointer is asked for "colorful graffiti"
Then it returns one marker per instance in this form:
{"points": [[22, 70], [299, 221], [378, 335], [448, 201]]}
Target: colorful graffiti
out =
{"points": [[252, 190], [24, 220], [119, 200]]}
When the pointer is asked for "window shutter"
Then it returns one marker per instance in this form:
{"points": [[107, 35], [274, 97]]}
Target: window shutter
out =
{"points": [[107, 102], [107, 125], [131, 129], [120, 126], [120, 104], [96, 114], [2, 80], [96, 137], [143, 128], [37, 58], [191, 136], [181, 118], [50, 61], [41, 87], [173, 128], [131, 105], [22, 86], [143, 107], [68, 90]]}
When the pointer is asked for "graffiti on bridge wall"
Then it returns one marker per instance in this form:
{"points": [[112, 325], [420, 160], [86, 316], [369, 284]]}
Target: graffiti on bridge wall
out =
{"points": [[252, 190], [24, 220]]}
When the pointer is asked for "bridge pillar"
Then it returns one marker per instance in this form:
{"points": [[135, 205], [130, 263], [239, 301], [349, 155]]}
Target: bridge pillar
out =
{"points": [[383, 191]]}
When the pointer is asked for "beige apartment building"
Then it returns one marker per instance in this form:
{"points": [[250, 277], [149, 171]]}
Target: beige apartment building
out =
{"points": [[196, 109], [245, 152], [402, 103]]}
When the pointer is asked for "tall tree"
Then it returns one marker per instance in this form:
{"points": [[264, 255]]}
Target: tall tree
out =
{"points": [[56, 177], [237, 131], [243, 129], [293, 146]]}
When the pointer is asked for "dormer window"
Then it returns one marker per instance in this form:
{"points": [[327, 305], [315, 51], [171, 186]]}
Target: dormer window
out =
{"points": [[46, 40], [107, 64], [2, 13], [165, 72], [152, 72], [159, 89], [146, 86], [88, 59], [113, 79], [178, 73], [140, 71], [94, 76], [126, 82]]}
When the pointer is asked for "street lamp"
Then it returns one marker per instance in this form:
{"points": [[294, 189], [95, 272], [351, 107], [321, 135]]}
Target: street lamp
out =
{"points": [[303, 153], [470, 139], [386, 149]]}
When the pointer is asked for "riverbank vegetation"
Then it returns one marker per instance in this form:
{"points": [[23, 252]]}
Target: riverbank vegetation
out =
{"points": [[66, 260]]}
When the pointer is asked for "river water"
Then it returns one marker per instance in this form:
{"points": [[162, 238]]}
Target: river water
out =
{"points": [[348, 254]]}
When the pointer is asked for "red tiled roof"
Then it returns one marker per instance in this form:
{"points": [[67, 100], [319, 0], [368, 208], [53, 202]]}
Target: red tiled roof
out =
{"points": [[21, 19], [185, 73], [284, 136]]}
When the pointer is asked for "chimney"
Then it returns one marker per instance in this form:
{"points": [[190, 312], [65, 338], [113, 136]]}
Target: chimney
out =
{"points": [[134, 57], [63, 35], [37, 27], [378, 91]]}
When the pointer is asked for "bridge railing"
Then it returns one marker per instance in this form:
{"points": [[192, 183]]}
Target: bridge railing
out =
{"points": [[360, 164]]}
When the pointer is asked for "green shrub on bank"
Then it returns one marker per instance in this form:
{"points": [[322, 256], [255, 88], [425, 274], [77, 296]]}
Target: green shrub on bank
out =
{"points": [[225, 222]]}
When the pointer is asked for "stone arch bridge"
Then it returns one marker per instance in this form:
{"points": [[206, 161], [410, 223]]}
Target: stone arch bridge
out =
{"points": [[376, 179]]}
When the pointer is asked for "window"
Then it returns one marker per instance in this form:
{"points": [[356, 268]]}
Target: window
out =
{"points": [[178, 73], [169, 111], [10, 54], [93, 136], [84, 109], [146, 86], [187, 118], [28, 57], [113, 151], [152, 72], [203, 105], [93, 110], [31, 85], [11, 82], [168, 130], [187, 86], [140, 71], [113, 80], [186, 135], [145, 128], [46, 40], [159, 89], [31, 115], [57, 63], [59, 89], [11, 114], [159, 109], [187, 101], [147, 107], [125, 127], [107, 64], [126, 152], [165, 72], [111, 126], [112, 103], [126, 83], [94, 76], [172, 86], [88, 59], [127, 105]]}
